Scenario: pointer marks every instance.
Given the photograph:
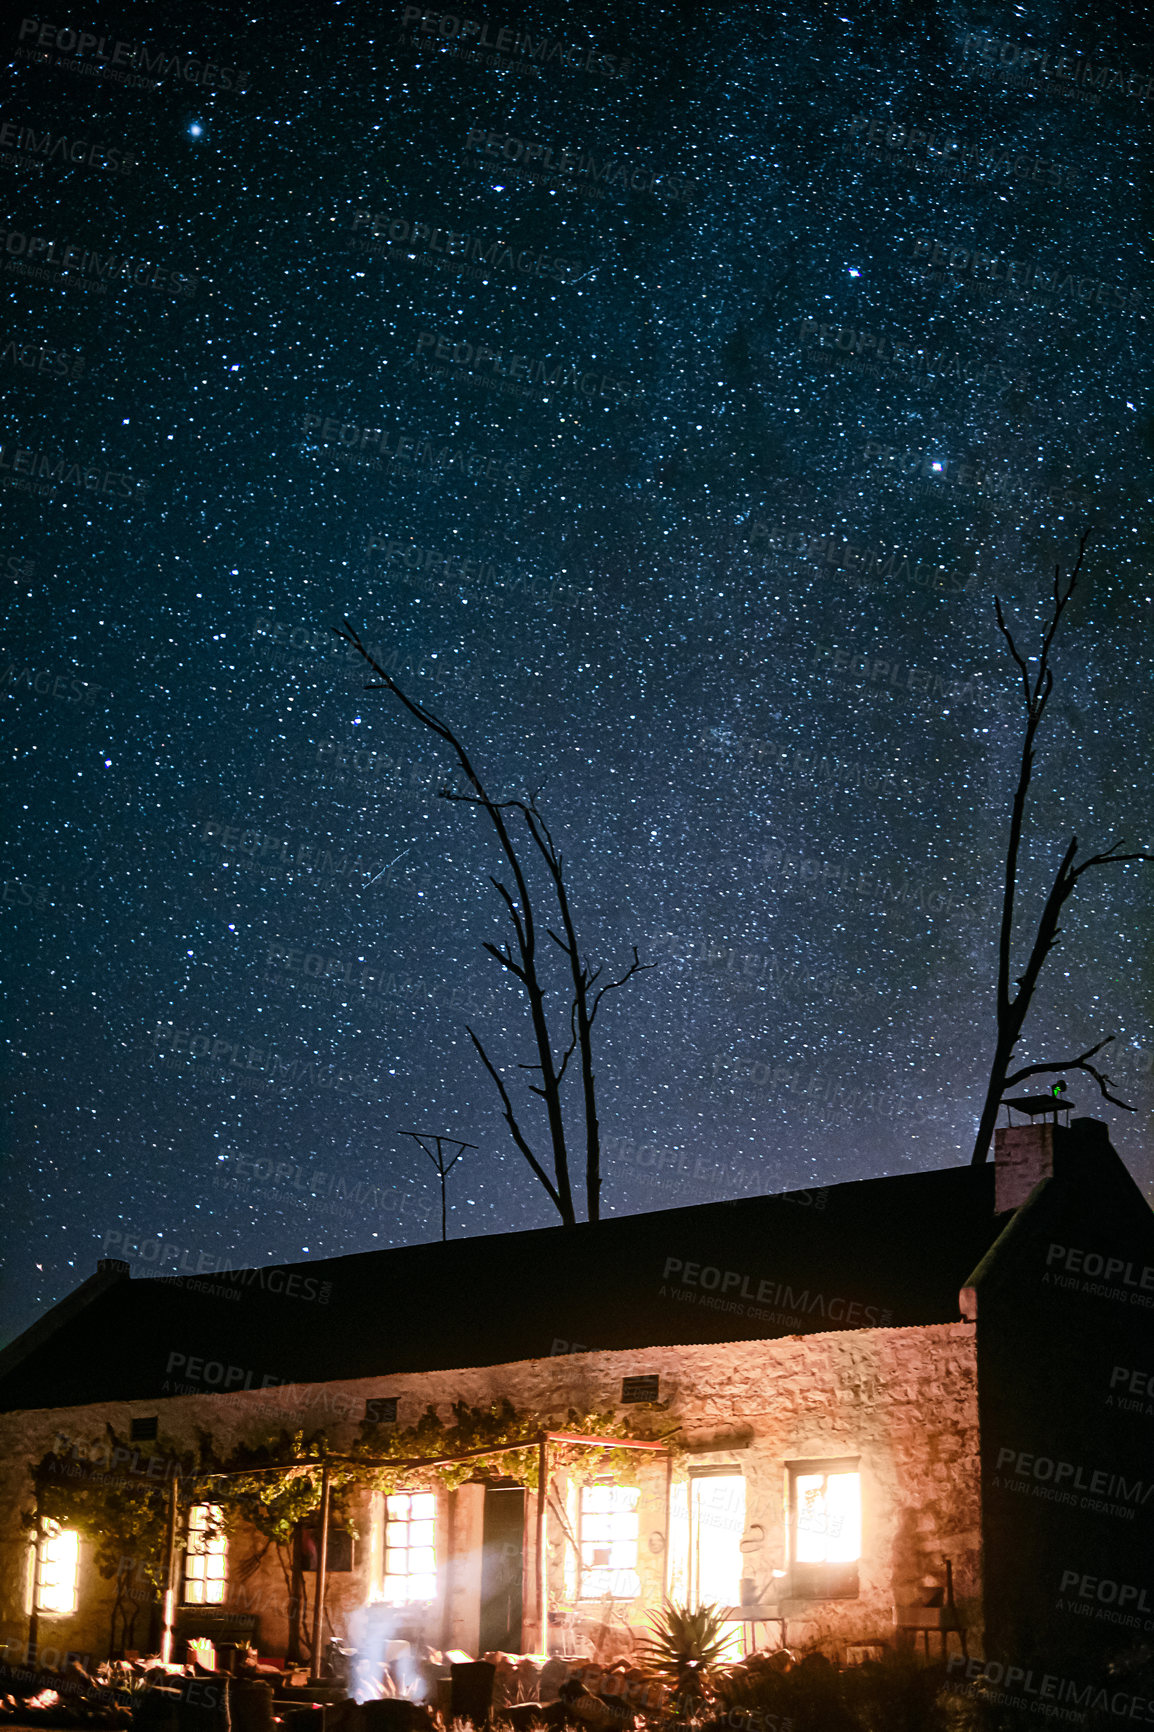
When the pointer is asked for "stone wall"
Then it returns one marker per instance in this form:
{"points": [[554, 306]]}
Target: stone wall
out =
{"points": [[902, 1399]]}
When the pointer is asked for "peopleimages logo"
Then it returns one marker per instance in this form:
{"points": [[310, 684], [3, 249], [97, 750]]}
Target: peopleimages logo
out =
{"points": [[52, 261], [91, 54], [518, 375], [1105, 1591], [580, 169], [1049, 285], [1050, 1690], [1072, 73], [172, 1260], [508, 43], [733, 1281], [458, 250], [214, 1372], [25, 141], [1119, 1279], [18, 461], [1046, 1477], [39, 358]]}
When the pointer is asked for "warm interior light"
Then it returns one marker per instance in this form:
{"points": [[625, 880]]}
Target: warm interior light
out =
{"points": [[410, 1573], [609, 1527], [59, 1569], [204, 1558], [717, 1522], [828, 1518]]}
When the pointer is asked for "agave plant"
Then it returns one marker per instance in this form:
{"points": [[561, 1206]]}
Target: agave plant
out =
{"points": [[685, 1654]]}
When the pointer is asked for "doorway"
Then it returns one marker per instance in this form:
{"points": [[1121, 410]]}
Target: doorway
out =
{"points": [[502, 1568]]}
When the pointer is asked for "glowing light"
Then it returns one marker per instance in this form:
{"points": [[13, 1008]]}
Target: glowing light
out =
{"points": [[828, 1518], [717, 1521], [608, 1535], [204, 1558], [59, 1569], [410, 1548]]}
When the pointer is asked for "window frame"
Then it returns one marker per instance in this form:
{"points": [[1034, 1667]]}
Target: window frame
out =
{"points": [[198, 1546], [730, 1470], [409, 1603], [825, 1581], [584, 1569], [39, 1550]]}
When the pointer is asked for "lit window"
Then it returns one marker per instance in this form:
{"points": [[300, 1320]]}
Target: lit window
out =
{"points": [[59, 1568], [716, 1524], [607, 1536], [825, 1528], [204, 1556], [410, 1548]]}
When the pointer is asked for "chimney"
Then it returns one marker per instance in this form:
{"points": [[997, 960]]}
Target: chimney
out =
{"points": [[1023, 1154]]}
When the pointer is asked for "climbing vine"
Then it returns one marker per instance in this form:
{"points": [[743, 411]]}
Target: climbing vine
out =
{"points": [[117, 1492], [488, 1428]]}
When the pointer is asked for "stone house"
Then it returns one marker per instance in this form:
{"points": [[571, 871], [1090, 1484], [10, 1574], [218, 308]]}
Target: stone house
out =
{"points": [[870, 1389]]}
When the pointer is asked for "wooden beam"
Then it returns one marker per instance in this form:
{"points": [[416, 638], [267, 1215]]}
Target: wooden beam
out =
{"points": [[322, 1575], [601, 1442], [34, 1615], [170, 1533], [668, 1526], [542, 1561]]}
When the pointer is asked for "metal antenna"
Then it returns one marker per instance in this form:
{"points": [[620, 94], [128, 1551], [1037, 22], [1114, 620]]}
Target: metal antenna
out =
{"points": [[438, 1161]]}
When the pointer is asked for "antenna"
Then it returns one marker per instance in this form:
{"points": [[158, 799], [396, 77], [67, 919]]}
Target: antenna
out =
{"points": [[438, 1160]]}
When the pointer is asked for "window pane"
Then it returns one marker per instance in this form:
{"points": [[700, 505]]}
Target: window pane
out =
{"points": [[827, 1518], [59, 1569], [608, 1530], [843, 1517], [810, 1518], [410, 1572], [205, 1556], [717, 1522]]}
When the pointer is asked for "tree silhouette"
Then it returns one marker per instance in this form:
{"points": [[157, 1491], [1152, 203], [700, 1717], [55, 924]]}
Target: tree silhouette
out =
{"points": [[522, 959], [1011, 1011]]}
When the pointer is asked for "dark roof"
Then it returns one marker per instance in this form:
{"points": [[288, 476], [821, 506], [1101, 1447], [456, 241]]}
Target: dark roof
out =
{"points": [[888, 1251]]}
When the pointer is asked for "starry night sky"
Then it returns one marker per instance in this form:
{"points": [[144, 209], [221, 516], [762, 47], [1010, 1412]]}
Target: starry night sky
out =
{"points": [[814, 326]]}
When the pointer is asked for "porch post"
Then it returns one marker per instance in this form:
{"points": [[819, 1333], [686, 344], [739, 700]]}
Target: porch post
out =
{"points": [[34, 1615], [542, 1562], [668, 1525], [170, 1532], [322, 1573]]}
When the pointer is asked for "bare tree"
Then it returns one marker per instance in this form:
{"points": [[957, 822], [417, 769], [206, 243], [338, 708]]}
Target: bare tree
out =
{"points": [[1011, 1011], [521, 958]]}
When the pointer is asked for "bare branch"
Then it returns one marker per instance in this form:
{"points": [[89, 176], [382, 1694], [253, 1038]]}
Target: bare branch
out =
{"points": [[1061, 601], [514, 1127], [1105, 1083], [635, 967], [506, 896], [552, 1067], [1109, 858], [1015, 1009], [1010, 1012], [1005, 630], [572, 1047], [520, 910], [504, 959]]}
